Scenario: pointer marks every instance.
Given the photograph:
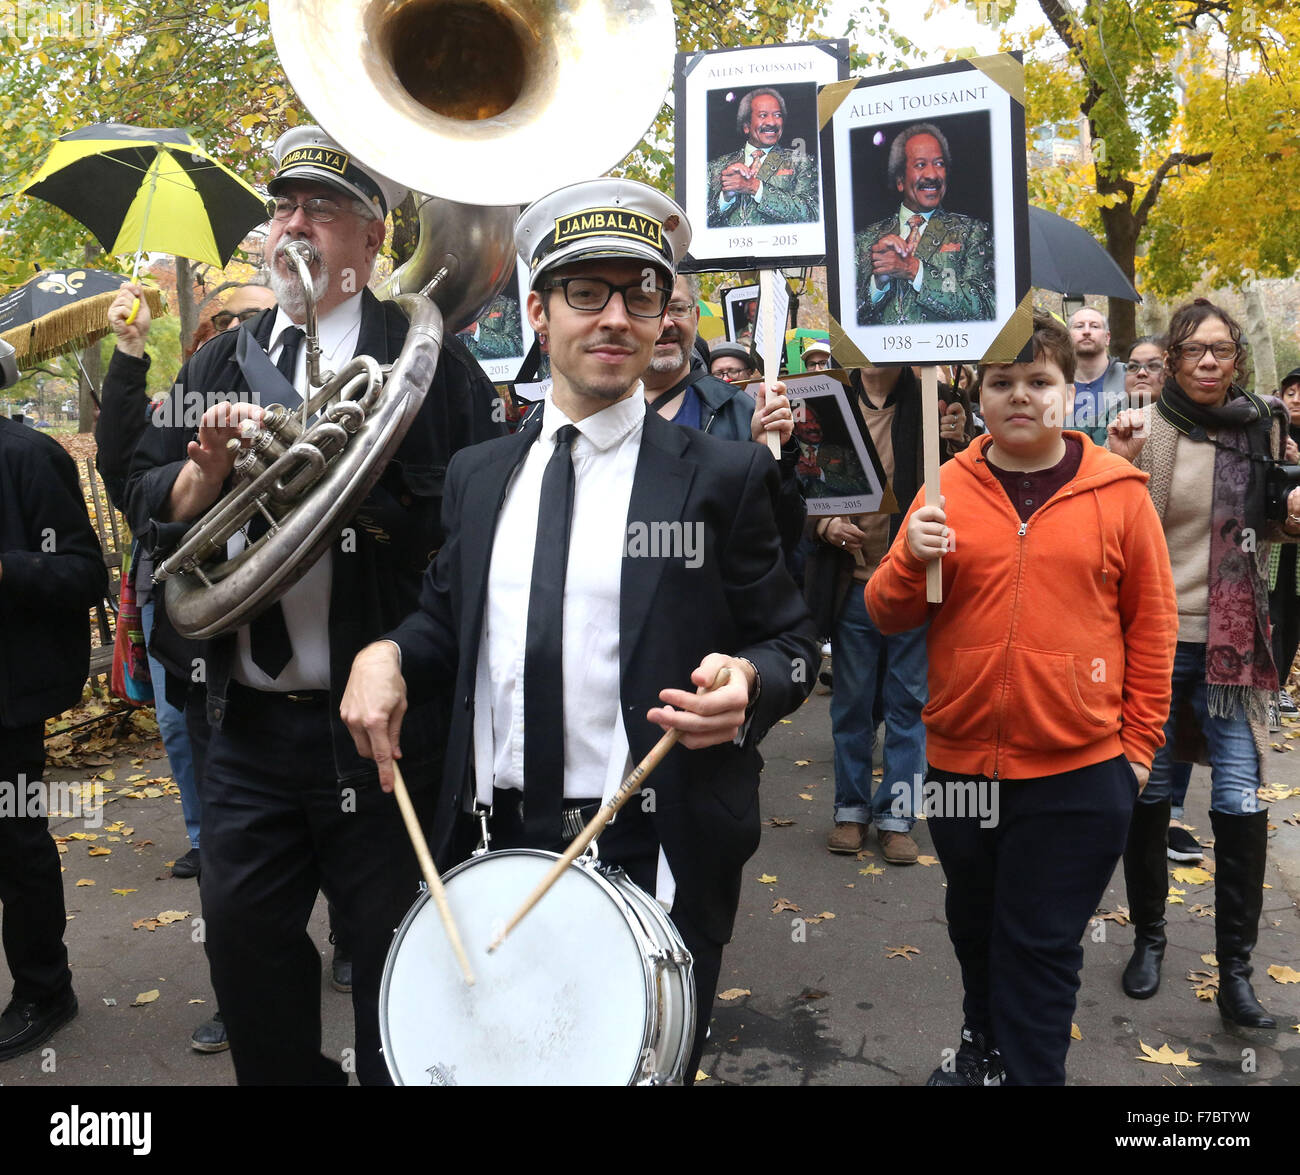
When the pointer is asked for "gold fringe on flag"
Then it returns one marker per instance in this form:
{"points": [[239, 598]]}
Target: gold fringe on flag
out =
{"points": [[70, 328]]}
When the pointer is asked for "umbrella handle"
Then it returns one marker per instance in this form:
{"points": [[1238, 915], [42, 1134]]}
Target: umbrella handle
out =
{"points": [[135, 268], [135, 309]]}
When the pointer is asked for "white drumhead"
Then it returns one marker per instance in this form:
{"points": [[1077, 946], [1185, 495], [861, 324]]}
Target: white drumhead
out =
{"points": [[562, 1001]]}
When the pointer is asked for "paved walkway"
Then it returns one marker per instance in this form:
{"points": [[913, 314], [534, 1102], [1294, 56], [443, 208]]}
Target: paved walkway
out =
{"points": [[826, 1005]]}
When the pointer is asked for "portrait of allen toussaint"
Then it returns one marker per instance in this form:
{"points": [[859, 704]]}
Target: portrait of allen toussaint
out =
{"points": [[922, 262], [764, 179]]}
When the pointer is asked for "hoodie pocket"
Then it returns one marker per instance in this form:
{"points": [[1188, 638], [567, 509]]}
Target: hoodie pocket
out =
{"points": [[1046, 708], [965, 706]]}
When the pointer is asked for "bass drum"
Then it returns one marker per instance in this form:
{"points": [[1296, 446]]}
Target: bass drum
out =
{"points": [[593, 987]]}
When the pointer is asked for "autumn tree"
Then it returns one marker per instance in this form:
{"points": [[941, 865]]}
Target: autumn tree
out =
{"points": [[1157, 83]]}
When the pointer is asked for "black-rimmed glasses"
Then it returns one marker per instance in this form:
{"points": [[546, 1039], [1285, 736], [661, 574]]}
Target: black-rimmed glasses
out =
{"points": [[594, 293], [223, 318], [1196, 351]]}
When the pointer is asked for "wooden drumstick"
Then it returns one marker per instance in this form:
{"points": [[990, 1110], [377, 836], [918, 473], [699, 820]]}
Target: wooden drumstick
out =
{"points": [[431, 878], [626, 789]]}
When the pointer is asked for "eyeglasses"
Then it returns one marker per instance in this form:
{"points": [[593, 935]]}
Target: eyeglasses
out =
{"points": [[1154, 366], [318, 209], [1196, 351], [817, 365], [223, 318], [731, 373], [593, 293], [680, 309]]}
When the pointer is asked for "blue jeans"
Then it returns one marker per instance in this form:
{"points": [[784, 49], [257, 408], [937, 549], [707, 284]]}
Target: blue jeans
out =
{"points": [[857, 647], [175, 737], [1234, 761]]}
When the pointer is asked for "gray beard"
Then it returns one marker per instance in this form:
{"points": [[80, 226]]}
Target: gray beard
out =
{"points": [[288, 289], [664, 365]]}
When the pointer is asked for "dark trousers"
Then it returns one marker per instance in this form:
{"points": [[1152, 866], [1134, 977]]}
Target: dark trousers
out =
{"points": [[630, 843], [277, 827], [1284, 611], [31, 888], [1020, 894]]}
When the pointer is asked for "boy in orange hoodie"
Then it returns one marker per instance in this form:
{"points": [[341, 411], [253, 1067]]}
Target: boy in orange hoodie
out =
{"points": [[1050, 659]]}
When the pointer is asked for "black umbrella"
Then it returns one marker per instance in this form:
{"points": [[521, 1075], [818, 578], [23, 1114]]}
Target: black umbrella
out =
{"points": [[61, 310], [1068, 259], [147, 189]]}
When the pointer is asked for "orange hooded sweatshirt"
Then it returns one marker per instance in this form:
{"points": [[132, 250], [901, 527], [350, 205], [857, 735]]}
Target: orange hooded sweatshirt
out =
{"points": [[1054, 645]]}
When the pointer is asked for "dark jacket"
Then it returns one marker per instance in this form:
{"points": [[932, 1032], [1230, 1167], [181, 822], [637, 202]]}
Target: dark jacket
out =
{"points": [[392, 537], [739, 600], [51, 573], [123, 417]]}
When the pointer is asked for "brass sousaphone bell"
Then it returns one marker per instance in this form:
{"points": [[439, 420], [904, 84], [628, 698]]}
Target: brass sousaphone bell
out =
{"points": [[480, 103]]}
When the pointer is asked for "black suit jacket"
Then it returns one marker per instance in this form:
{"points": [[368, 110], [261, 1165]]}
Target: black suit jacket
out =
{"points": [[739, 600], [394, 533]]}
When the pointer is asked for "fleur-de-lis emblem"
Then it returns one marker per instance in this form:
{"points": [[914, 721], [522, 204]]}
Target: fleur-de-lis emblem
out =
{"points": [[63, 283]]}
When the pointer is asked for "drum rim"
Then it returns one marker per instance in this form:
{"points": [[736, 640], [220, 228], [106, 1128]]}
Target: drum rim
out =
{"points": [[650, 1026]]}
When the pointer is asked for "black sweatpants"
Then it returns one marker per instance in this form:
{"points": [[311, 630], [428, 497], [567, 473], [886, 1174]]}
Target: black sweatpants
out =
{"points": [[1020, 895]]}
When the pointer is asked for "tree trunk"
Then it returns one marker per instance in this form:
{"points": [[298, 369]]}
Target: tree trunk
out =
{"points": [[188, 311], [90, 366], [1260, 338], [1121, 243]]}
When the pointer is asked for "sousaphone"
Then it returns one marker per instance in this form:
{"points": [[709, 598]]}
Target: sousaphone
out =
{"points": [[487, 105]]}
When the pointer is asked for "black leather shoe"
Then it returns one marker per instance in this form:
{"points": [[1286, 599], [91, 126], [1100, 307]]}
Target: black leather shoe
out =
{"points": [[210, 1036], [25, 1024], [1240, 850], [188, 865], [1146, 879], [341, 971]]}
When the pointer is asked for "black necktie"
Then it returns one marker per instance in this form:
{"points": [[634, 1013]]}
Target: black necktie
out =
{"points": [[543, 651], [290, 344], [268, 634]]}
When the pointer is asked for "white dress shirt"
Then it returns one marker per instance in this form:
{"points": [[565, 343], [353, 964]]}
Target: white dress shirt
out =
{"points": [[596, 755], [306, 605]]}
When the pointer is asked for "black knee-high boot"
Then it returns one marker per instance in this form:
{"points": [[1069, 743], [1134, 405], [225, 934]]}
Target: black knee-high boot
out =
{"points": [[1147, 881], [1240, 850]]}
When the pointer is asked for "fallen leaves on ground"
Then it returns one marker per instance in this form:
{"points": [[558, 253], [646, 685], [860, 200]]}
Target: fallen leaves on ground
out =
{"points": [[782, 904], [803, 795], [1175, 898], [1075, 1034], [1205, 982], [85, 881], [734, 993], [926, 860], [701, 1075], [1164, 1055], [1274, 792], [812, 993], [121, 893], [903, 952], [1201, 910], [99, 852], [824, 916], [1119, 915], [1284, 974], [802, 762], [1293, 820], [779, 822], [871, 871], [1210, 959], [145, 997], [863, 854], [166, 918], [767, 879], [1192, 875]]}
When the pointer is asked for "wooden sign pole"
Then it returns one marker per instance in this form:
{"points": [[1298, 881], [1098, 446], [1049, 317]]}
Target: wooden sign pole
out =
{"points": [[769, 294], [930, 440]]}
